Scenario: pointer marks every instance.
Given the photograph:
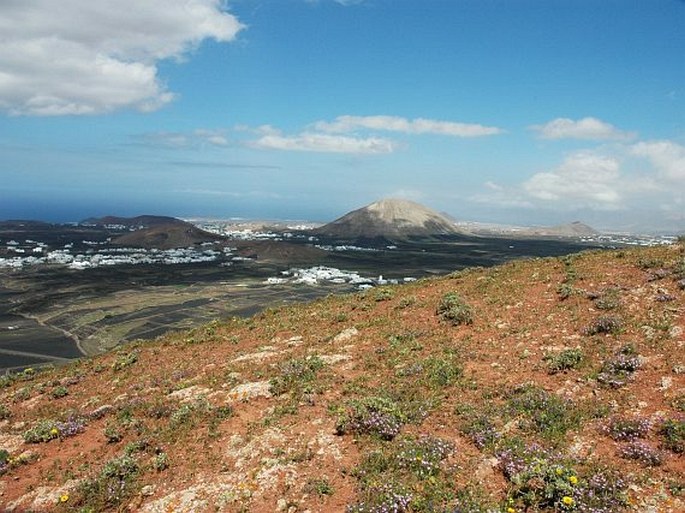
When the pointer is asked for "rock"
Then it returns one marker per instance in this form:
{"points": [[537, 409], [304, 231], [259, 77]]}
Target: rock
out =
{"points": [[100, 412], [666, 382], [256, 357], [294, 341], [11, 443], [331, 359], [281, 505], [346, 335], [248, 391], [186, 395], [148, 490], [486, 469]]}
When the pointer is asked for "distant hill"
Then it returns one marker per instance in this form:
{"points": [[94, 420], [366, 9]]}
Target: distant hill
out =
{"points": [[574, 229], [144, 221], [389, 219], [23, 225], [166, 236]]}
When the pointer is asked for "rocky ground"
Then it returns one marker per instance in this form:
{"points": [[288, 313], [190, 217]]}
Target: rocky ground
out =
{"points": [[553, 384]]}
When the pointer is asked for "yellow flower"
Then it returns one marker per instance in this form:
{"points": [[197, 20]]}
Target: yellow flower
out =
{"points": [[558, 471], [573, 480], [54, 431], [568, 501], [511, 510], [64, 497]]}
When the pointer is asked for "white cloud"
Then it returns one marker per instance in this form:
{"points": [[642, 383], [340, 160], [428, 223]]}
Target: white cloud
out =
{"points": [[584, 179], [493, 186], [88, 57], [345, 124], [325, 143], [667, 157], [587, 128], [213, 137], [199, 137]]}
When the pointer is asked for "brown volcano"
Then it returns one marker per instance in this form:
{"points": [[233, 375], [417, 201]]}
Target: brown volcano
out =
{"points": [[390, 219]]}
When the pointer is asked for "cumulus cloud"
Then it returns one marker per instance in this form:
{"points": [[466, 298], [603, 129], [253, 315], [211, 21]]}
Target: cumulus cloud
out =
{"points": [[586, 128], [667, 157], [584, 179], [345, 124], [89, 57], [325, 143]]}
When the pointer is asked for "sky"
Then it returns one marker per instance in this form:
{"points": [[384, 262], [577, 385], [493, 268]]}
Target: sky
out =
{"points": [[535, 112]]}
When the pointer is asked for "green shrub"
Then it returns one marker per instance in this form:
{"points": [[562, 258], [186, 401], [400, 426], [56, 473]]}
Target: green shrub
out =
{"points": [[319, 487], [296, 376], [59, 392], [406, 302], [376, 416], [618, 370], [405, 476], [115, 483], [453, 309], [565, 291], [384, 294], [112, 434], [604, 324], [607, 300], [440, 372], [480, 428], [564, 360], [161, 462], [125, 360], [545, 413], [673, 435], [47, 430]]}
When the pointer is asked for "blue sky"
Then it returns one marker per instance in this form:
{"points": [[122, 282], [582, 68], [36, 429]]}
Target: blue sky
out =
{"points": [[511, 111]]}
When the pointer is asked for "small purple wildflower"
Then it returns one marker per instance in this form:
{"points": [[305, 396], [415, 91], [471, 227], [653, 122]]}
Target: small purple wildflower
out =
{"points": [[618, 370], [373, 416], [604, 324], [71, 427], [642, 452], [383, 498], [623, 429], [423, 455]]}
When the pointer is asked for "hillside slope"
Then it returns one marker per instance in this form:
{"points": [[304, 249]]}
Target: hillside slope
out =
{"points": [[548, 385]]}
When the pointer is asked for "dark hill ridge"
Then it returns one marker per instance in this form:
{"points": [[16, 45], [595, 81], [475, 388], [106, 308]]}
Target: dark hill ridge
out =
{"points": [[23, 224], [392, 219], [552, 385], [166, 236], [155, 232], [144, 221]]}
